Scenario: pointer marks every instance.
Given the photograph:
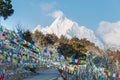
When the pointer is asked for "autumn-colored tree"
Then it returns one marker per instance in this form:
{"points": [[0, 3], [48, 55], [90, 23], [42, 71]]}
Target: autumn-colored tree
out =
{"points": [[39, 37], [77, 46], [75, 39], [81, 50], [42, 39], [71, 47], [116, 56], [86, 42], [89, 46], [63, 39]]}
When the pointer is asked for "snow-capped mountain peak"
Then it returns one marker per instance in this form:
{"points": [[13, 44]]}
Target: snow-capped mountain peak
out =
{"points": [[39, 27], [69, 28], [61, 25]]}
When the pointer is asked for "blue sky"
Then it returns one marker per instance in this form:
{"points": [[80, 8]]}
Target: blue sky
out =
{"points": [[88, 13]]}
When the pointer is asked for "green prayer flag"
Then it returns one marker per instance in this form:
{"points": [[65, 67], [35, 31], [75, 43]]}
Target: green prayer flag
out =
{"points": [[68, 58], [29, 44], [3, 57]]}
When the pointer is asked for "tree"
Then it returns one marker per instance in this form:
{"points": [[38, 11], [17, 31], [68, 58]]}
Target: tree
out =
{"points": [[27, 35], [80, 49], [63, 39], [70, 50], [19, 29], [85, 42], [37, 34], [39, 37], [75, 39], [77, 46], [6, 8], [50, 38], [99, 61], [55, 38], [116, 56], [66, 49]]}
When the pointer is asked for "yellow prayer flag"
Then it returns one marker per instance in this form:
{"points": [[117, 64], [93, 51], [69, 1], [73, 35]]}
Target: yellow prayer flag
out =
{"points": [[56, 55], [13, 61], [108, 73], [72, 68], [4, 52], [94, 70], [0, 56]]}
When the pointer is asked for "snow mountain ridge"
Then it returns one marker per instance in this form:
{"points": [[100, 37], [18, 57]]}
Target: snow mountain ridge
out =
{"points": [[69, 28]]}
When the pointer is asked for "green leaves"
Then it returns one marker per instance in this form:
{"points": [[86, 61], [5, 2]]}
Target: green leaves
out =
{"points": [[6, 8]]}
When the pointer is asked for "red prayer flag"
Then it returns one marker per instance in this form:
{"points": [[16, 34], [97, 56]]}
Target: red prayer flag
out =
{"points": [[65, 57], [18, 40], [78, 60], [50, 52], [18, 61], [3, 34], [116, 75]]}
